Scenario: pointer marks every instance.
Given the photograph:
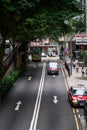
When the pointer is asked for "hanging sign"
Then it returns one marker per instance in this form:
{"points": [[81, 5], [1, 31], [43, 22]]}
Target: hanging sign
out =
{"points": [[81, 39]]}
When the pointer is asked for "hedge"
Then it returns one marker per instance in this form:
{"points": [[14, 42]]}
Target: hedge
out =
{"points": [[8, 81]]}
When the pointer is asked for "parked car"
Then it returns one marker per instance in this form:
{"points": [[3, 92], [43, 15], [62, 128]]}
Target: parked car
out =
{"points": [[77, 95], [49, 54], [53, 68], [85, 110], [53, 54]]}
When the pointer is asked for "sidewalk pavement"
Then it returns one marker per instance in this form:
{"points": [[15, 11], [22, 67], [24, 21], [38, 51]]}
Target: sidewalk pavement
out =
{"points": [[76, 78]]}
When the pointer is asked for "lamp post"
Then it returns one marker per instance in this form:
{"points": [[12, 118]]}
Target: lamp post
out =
{"points": [[86, 15], [66, 22], [71, 56], [71, 63]]}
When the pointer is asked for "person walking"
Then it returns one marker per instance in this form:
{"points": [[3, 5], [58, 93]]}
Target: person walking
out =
{"points": [[77, 67], [86, 72], [83, 70], [67, 68], [74, 64]]}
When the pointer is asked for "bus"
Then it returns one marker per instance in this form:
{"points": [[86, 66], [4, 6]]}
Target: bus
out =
{"points": [[36, 54]]}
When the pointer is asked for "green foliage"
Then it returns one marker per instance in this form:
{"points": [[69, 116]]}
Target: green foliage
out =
{"points": [[81, 56], [2, 71], [8, 81], [26, 19], [78, 24]]}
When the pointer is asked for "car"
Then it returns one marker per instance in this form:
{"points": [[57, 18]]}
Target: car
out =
{"points": [[53, 68], [77, 95], [49, 54], [53, 54], [85, 110]]}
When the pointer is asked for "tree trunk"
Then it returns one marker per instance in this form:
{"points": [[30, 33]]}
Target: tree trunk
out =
{"points": [[2, 47], [24, 56], [15, 54]]}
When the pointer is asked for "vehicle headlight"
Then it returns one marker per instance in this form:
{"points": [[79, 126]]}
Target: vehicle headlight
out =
{"points": [[74, 101]]}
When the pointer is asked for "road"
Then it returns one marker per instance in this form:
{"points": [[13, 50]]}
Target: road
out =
{"points": [[37, 101]]}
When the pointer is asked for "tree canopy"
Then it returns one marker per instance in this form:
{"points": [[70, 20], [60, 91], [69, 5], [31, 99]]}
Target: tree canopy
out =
{"points": [[24, 20]]}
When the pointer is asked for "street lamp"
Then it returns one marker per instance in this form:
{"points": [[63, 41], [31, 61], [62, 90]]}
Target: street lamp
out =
{"points": [[71, 63], [66, 22], [71, 56], [86, 16]]}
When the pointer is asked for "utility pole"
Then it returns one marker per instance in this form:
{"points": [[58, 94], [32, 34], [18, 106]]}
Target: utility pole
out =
{"points": [[86, 15], [85, 58], [71, 57], [71, 63]]}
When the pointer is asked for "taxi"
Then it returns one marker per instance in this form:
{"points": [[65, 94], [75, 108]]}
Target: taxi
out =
{"points": [[77, 95]]}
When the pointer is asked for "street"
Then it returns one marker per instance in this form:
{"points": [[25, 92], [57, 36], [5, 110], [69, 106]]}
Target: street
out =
{"points": [[37, 101], [36, 94]]}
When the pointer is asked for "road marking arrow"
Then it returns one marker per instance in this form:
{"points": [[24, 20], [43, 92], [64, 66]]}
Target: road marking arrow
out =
{"points": [[55, 100], [34, 66], [18, 105], [29, 78]]}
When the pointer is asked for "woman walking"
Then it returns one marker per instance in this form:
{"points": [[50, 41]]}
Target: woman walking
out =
{"points": [[77, 67], [83, 71], [86, 72]]}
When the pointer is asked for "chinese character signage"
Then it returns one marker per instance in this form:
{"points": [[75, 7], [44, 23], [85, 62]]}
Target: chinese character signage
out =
{"points": [[81, 39]]}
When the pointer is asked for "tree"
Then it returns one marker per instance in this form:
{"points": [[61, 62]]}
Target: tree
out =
{"points": [[12, 17], [40, 17], [25, 20]]}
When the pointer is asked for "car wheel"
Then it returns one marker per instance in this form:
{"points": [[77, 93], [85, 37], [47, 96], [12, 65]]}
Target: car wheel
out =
{"points": [[57, 73], [48, 73], [68, 99]]}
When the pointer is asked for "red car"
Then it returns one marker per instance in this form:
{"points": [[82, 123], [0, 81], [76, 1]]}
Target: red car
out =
{"points": [[77, 95]]}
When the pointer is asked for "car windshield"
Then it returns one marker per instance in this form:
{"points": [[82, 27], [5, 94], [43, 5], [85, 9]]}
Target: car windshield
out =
{"points": [[79, 92], [53, 65]]}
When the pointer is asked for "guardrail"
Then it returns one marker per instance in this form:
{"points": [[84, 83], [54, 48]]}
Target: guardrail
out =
{"points": [[6, 64]]}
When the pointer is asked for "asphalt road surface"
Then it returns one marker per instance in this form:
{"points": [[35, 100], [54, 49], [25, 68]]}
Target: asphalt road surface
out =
{"points": [[37, 101]]}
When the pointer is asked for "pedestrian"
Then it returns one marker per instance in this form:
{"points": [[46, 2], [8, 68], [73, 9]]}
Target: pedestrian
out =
{"points": [[76, 61], [74, 64], [67, 68], [77, 67], [86, 72], [83, 70]]}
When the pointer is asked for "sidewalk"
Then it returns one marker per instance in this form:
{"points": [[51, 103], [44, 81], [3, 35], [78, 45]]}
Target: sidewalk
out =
{"points": [[76, 78]]}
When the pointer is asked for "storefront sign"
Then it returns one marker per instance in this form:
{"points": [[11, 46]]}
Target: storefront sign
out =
{"points": [[81, 39]]}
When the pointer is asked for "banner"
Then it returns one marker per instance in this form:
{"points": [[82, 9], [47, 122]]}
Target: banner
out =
{"points": [[81, 39]]}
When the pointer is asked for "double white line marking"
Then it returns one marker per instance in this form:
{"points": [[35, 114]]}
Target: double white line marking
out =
{"points": [[38, 101]]}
